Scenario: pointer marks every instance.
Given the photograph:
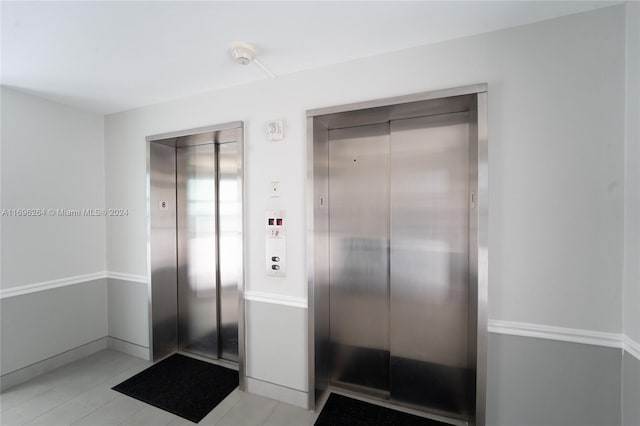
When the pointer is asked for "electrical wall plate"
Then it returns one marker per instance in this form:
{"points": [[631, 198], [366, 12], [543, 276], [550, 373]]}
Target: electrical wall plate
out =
{"points": [[275, 130], [275, 189]]}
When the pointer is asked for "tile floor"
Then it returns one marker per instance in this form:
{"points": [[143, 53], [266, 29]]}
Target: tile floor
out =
{"points": [[80, 394]]}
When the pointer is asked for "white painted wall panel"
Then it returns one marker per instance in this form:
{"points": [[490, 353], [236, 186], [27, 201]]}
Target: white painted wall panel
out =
{"points": [[541, 382], [43, 324], [630, 390], [274, 333], [52, 157], [127, 321]]}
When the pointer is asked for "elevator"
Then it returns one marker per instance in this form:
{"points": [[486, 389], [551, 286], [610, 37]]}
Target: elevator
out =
{"points": [[397, 286], [194, 202]]}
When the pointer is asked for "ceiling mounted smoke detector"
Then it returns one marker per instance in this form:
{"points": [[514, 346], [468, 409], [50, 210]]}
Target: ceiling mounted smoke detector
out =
{"points": [[244, 54]]}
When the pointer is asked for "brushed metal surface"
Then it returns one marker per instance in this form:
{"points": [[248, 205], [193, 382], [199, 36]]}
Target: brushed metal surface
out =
{"points": [[163, 286], [358, 256], [318, 267], [482, 280], [149, 264], [384, 114], [162, 251], [319, 123], [169, 137], [197, 250], [219, 136], [430, 262], [229, 254], [242, 255], [398, 100], [473, 329]]}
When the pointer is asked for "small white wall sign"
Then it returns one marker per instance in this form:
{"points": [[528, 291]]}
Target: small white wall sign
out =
{"points": [[275, 130]]}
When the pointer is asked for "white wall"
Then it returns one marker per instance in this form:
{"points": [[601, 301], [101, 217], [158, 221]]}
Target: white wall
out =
{"points": [[41, 325], [540, 382], [630, 390], [631, 286], [556, 161], [564, 187], [52, 157], [126, 321], [556, 111], [632, 176], [275, 334]]}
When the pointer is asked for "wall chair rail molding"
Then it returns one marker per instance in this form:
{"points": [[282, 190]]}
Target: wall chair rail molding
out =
{"points": [[127, 277], [277, 299], [572, 335], [48, 285], [632, 347], [72, 280]]}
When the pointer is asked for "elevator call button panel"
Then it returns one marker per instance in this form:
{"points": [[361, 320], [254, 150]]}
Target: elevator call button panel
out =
{"points": [[276, 242]]}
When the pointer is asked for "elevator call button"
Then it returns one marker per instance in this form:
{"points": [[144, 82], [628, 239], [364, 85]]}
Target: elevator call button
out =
{"points": [[275, 243]]}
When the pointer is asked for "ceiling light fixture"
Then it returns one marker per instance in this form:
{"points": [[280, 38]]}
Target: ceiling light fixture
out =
{"points": [[245, 53]]}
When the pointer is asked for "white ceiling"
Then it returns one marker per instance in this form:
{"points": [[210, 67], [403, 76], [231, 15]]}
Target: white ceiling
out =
{"points": [[112, 56]]}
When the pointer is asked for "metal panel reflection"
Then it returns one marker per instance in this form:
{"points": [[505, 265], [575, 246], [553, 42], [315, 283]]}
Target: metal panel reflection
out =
{"points": [[162, 254], [358, 256], [430, 261], [195, 240], [197, 246], [482, 280], [229, 261], [318, 263], [438, 252]]}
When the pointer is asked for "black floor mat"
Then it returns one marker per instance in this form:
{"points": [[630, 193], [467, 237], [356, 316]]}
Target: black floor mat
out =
{"points": [[181, 385], [340, 410]]}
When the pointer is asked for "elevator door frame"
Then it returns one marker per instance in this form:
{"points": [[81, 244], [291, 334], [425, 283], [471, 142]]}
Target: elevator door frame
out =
{"points": [[162, 315], [471, 99]]}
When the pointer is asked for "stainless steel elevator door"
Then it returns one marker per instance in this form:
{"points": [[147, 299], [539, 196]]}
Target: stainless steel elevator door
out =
{"points": [[358, 257], [197, 247], [230, 256], [162, 244], [430, 262]]}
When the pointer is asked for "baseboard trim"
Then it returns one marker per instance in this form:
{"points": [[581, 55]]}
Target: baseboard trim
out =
{"points": [[128, 348], [277, 392], [277, 299], [29, 372]]}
